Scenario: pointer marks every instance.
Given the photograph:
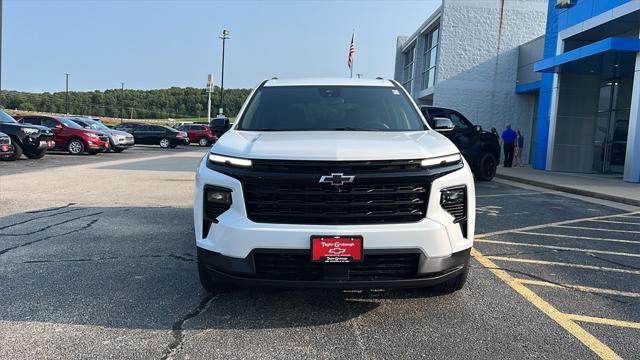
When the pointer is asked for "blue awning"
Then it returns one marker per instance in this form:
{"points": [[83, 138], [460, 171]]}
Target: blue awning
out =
{"points": [[615, 55]]}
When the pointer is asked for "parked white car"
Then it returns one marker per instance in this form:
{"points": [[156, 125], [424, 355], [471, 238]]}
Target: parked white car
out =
{"points": [[334, 183]]}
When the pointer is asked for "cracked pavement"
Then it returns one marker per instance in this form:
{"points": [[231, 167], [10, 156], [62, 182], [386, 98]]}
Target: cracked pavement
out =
{"points": [[100, 263]]}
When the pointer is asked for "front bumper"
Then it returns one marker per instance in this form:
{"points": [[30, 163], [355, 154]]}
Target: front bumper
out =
{"points": [[245, 272]]}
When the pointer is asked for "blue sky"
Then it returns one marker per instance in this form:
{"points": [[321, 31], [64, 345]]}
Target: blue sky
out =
{"points": [[158, 44]]}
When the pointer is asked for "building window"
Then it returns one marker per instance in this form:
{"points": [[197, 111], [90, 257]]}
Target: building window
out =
{"points": [[429, 58], [407, 76]]}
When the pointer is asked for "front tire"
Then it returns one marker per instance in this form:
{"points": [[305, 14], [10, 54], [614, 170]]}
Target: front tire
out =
{"points": [[75, 147], [165, 143], [203, 142], [210, 282], [487, 167], [117, 150], [454, 284], [36, 155]]}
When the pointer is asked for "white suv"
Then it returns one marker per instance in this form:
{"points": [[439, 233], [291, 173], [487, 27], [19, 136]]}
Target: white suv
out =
{"points": [[334, 183]]}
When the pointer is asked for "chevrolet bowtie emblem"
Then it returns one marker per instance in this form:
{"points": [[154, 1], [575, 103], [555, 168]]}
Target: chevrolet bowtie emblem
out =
{"points": [[337, 179]]}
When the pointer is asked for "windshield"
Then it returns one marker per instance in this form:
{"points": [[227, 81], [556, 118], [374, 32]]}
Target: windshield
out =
{"points": [[357, 108], [95, 125], [70, 123], [6, 118]]}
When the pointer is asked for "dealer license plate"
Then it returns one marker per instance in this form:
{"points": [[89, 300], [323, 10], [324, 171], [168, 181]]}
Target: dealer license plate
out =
{"points": [[336, 249]]}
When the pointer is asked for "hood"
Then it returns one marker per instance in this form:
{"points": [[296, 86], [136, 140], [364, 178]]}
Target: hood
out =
{"points": [[334, 145]]}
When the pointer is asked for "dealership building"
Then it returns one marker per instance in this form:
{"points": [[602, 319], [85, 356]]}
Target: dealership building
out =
{"points": [[565, 72]]}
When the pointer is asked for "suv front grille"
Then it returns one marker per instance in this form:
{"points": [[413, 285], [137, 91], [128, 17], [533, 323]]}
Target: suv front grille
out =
{"points": [[103, 138], [290, 191], [281, 201], [298, 266]]}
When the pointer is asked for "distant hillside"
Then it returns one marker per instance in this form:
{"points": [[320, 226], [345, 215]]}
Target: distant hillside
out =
{"points": [[139, 104]]}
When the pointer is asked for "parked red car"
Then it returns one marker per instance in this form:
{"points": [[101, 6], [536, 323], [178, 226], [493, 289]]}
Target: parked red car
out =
{"points": [[70, 136], [199, 133]]}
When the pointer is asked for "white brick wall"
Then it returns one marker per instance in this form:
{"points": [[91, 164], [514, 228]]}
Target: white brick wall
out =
{"points": [[478, 60]]}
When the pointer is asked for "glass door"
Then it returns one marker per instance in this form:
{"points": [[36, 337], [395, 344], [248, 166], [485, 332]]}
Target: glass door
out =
{"points": [[612, 124]]}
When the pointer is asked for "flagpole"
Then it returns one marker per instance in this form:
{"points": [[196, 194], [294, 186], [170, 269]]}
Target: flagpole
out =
{"points": [[353, 58]]}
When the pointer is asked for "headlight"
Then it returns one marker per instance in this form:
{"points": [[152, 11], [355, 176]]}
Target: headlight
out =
{"points": [[29, 131], [95, 136], [442, 160], [229, 160]]}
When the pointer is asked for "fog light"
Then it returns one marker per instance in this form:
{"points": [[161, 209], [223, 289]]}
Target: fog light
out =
{"points": [[218, 196], [454, 201]]}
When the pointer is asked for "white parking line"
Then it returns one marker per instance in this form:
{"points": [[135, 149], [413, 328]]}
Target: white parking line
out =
{"points": [[533, 227], [579, 288], [590, 251], [557, 263], [577, 237], [613, 222], [596, 229], [517, 194], [630, 216]]}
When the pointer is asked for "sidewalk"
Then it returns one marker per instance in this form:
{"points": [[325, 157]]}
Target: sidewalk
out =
{"points": [[606, 187]]}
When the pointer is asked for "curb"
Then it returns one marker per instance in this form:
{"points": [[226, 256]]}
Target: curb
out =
{"points": [[570, 190]]}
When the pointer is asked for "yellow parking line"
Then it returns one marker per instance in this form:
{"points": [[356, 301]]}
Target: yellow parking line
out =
{"points": [[557, 263], [591, 251], [574, 329], [603, 321], [551, 224], [595, 229], [579, 288], [577, 237], [613, 222]]}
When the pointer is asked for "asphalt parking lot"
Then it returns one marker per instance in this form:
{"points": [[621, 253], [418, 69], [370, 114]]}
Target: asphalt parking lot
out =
{"points": [[97, 261]]}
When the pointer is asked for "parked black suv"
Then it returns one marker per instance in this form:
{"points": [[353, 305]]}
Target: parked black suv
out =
{"points": [[32, 140], [480, 148]]}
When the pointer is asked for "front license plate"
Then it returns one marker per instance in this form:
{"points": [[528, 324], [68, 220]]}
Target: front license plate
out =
{"points": [[336, 249]]}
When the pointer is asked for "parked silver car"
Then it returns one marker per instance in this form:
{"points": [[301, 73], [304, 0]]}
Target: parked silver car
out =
{"points": [[119, 140]]}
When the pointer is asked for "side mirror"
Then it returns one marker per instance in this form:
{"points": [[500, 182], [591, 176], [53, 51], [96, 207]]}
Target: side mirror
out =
{"points": [[478, 128], [442, 124]]}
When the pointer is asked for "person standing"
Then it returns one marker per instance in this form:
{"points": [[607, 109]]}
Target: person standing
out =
{"points": [[508, 139], [518, 151]]}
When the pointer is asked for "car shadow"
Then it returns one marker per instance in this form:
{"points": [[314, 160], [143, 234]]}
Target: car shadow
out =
{"points": [[135, 267]]}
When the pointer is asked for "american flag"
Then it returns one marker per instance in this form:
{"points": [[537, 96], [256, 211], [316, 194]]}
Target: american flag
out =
{"points": [[352, 51]]}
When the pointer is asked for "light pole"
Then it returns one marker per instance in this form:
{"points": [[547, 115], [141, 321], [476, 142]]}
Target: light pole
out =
{"points": [[66, 94], [224, 37], [122, 103], [209, 89]]}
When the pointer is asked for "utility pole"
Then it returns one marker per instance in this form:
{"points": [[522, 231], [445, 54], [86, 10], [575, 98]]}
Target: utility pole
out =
{"points": [[224, 37], [122, 103], [66, 94], [209, 90]]}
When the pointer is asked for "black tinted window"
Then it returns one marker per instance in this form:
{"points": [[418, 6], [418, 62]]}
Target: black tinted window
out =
{"points": [[32, 121], [50, 123], [331, 108]]}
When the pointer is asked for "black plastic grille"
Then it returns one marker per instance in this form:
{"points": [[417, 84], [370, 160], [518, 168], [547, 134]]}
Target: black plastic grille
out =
{"points": [[362, 202], [103, 138], [282, 266]]}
